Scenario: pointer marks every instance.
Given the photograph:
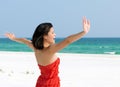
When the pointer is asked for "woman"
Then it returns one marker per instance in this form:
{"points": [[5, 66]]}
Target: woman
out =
{"points": [[45, 50]]}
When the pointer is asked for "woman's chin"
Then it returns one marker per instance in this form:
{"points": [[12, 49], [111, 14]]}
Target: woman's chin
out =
{"points": [[53, 42]]}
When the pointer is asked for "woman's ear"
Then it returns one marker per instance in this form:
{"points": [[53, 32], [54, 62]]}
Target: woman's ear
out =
{"points": [[45, 37]]}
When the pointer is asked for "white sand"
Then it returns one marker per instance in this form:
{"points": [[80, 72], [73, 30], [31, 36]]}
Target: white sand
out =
{"points": [[19, 69]]}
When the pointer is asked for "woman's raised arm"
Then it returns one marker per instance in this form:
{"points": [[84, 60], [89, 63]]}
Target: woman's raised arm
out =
{"points": [[20, 40], [70, 39]]}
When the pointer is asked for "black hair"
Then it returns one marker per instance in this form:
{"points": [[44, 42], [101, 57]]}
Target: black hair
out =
{"points": [[38, 36]]}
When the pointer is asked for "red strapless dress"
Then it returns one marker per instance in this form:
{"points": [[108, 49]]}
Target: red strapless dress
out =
{"points": [[49, 75]]}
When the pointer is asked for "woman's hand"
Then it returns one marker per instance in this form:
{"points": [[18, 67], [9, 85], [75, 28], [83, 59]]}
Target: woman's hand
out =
{"points": [[10, 36], [86, 25]]}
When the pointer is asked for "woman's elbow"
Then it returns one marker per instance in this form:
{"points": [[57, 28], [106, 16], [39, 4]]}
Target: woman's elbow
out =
{"points": [[68, 40]]}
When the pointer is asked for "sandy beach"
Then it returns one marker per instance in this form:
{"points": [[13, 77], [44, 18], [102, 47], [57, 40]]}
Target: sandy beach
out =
{"points": [[19, 69]]}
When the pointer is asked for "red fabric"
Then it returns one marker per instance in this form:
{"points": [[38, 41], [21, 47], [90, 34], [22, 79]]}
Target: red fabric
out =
{"points": [[49, 75]]}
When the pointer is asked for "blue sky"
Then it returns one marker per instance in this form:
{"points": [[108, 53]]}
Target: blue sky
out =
{"points": [[22, 16]]}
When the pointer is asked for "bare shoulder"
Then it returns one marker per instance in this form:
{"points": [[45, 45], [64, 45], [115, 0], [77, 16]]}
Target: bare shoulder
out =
{"points": [[29, 43]]}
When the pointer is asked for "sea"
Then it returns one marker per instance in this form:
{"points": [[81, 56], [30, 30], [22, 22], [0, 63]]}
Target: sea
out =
{"points": [[82, 46]]}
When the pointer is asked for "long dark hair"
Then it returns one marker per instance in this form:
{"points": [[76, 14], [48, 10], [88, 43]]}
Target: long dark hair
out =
{"points": [[41, 30]]}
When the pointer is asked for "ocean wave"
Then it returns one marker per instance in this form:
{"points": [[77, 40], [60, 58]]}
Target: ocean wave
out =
{"points": [[110, 52]]}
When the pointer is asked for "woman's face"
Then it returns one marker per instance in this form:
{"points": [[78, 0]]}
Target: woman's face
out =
{"points": [[50, 37]]}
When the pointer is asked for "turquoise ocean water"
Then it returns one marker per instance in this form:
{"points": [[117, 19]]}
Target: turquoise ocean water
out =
{"points": [[82, 46]]}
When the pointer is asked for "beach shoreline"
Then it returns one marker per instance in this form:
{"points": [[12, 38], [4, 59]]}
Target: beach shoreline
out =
{"points": [[87, 70]]}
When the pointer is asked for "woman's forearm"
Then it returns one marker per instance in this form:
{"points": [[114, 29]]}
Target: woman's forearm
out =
{"points": [[86, 28], [75, 37], [21, 40], [14, 38]]}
